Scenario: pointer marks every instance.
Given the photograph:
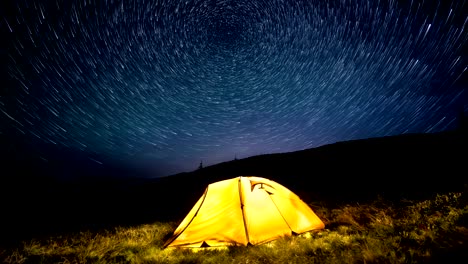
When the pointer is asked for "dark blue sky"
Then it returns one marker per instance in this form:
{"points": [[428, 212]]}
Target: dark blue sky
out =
{"points": [[163, 84]]}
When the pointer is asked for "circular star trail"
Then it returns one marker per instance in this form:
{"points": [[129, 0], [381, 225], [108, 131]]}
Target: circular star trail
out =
{"points": [[165, 84]]}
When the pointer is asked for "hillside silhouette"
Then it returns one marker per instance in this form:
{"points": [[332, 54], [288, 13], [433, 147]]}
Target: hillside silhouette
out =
{"points": [[35, 201]]}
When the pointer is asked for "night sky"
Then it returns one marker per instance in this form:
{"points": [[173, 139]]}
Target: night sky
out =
{"points": [[164, 84]]}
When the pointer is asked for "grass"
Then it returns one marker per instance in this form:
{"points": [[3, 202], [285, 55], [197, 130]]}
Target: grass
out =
{"points": [[428, 231]]}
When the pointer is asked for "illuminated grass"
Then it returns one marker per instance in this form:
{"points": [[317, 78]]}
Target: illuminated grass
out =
{"points": [[380, 232]]}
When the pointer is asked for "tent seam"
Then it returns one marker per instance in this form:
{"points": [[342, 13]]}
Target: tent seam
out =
{"points": [[196, 213], [242, 210], [281, 214]]}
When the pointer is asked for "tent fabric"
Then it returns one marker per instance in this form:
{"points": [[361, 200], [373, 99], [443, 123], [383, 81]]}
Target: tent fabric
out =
{"points": [[244, 211]]}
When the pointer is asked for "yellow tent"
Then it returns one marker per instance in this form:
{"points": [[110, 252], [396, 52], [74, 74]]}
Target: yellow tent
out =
{"points": [[244, 211]]}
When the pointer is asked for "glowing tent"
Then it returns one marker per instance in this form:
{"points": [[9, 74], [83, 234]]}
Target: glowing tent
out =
{"points": [[244, 211]]}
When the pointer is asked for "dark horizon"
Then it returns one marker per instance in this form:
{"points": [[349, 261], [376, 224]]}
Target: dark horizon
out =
{"points": [[24, 165], [408, 166]]}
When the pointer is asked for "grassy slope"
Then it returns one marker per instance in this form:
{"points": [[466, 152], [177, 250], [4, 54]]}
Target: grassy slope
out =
{"points": [[425, 231], [63, 195], [36, 226]]}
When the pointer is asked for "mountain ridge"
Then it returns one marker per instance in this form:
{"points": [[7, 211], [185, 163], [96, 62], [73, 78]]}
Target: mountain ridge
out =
{"points": [[396, 167]]}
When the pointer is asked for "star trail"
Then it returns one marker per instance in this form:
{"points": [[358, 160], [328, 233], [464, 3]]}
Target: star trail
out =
{"points": [[163, 84]]}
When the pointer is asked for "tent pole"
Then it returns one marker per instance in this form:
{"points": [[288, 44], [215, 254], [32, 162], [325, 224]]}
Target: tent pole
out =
{"points": [[242, 209], [284, 219], [175, 236]]}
